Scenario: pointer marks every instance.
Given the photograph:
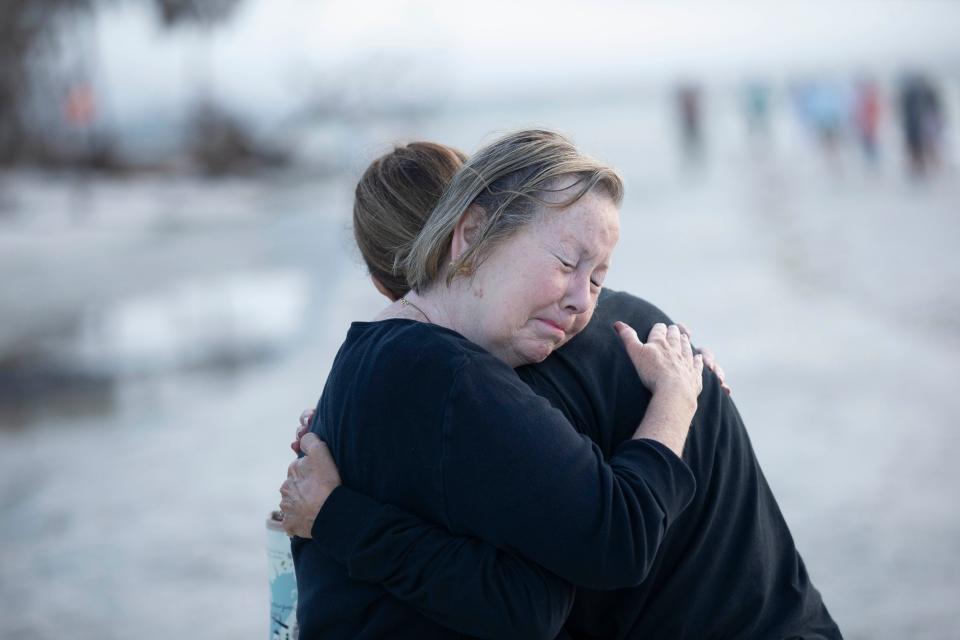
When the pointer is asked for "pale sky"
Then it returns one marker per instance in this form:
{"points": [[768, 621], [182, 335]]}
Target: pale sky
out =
{"points": [[276, 51]]}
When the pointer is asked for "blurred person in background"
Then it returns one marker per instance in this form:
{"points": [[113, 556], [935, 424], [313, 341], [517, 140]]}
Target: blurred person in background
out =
{"points": [[689, 109], [823, 107], [727, 567], [756, 108], [866, 118], [921, 115]]}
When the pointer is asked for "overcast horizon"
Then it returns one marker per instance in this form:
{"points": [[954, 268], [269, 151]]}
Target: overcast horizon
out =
{"points": [[271, 56]]}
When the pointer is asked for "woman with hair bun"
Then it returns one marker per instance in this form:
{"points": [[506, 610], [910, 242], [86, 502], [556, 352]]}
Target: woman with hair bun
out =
{"points": [[729, 550], [392, 203]]}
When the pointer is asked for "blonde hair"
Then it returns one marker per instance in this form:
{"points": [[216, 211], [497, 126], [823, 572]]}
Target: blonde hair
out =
{"points": [[509, 181], [392, 202]]}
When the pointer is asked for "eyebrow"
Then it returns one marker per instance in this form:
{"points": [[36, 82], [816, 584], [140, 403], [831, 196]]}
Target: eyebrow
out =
{"points": [[567, 243]]}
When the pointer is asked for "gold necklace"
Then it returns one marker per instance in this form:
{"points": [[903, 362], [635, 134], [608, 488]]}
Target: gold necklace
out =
{"points": [[407, 303]]}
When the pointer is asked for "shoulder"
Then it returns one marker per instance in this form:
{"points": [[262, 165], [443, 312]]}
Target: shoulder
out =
{"points": [[426, 363], [414, 347], [637, 312], [598, 339]]}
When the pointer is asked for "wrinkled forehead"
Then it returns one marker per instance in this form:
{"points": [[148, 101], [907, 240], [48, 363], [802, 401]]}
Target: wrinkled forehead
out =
{"points": [[590, 225]]}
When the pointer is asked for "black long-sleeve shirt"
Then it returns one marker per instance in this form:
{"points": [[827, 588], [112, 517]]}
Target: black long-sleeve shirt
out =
{"points": [[417, 416], [727, 568]]}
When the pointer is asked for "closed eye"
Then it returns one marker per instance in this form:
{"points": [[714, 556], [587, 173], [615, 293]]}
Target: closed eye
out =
{"points": [[597, 280]]}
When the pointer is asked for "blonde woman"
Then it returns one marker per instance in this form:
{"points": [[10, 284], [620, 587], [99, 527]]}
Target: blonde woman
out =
{"points": [[473, 587]]}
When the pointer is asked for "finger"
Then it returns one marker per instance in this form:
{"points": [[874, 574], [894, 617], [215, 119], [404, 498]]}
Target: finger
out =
{"points": [[292, 468], [698, 363], [628, 335], [686, 346], [302, 429], [306, 417], [295, 445], [708, 359], [630, 339], [658, 333], [309, 443], [673, 336], [684, 330], [721, 375]]}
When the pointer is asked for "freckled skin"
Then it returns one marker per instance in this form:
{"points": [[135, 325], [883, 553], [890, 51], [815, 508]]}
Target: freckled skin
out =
{"points": [[539, 287]]}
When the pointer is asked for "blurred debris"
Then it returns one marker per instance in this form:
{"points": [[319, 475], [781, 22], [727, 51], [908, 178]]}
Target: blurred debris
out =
{"points": [[220, 144], [202, 13]]}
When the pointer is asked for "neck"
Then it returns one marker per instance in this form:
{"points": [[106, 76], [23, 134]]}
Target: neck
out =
{"points": [[452, 307], [448, 307], [431, 304]]}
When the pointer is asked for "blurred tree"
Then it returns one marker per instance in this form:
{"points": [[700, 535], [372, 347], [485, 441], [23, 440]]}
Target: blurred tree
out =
{"points": [[30, 34], [27, 31]]}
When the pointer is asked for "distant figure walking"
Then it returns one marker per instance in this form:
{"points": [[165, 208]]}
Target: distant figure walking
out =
{"points": [[921, 115], [689, 117], [866, 118], [756, 107], [824, 108]]}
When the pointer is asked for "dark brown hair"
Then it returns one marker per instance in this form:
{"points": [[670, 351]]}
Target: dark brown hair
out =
{"points": [[394, 198]]}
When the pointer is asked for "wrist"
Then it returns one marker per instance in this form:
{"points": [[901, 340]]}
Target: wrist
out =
{"points": [[667, 420], [674, 398]]}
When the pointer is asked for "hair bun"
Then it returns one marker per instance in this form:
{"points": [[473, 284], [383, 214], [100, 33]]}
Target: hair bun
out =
{"points": [[393, 201]]}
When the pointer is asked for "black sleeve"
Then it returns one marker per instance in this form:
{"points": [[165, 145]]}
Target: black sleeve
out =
{"points": [[516, 474], [462, 583]]}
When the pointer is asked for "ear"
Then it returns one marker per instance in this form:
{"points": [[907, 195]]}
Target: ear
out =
{"points": [[382, 289], [467, 230]]}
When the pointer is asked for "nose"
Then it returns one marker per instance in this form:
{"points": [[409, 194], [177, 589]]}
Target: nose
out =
{"points": [[578, 298]]}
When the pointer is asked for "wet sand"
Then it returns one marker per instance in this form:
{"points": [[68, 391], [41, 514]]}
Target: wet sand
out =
{"points": [[142, 446]]}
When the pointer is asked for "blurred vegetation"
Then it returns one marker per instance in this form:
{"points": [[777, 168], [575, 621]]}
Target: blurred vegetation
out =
{"points": [[219, 144], [45, 102]]}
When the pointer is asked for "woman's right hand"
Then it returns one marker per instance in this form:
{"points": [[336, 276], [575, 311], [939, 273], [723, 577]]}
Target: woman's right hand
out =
{"points": [[673, 374], [310, 481]]}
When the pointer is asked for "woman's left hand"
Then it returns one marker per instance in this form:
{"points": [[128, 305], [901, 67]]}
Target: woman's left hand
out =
{"points": [[709, 360], [305, 419], [310, 481]]}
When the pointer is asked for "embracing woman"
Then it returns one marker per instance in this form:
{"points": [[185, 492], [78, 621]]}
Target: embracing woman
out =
{"points": [[423, 411]]}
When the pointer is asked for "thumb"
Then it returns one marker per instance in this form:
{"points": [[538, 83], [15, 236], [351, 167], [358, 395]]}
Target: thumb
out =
{"points": [[625, 331]]}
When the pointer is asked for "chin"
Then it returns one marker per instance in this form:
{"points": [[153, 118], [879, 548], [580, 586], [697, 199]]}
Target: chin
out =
{"points": [[537, 354]]}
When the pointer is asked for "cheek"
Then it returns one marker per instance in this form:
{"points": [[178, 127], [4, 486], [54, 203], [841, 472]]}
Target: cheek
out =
{"points": [[548, 284], [581, 322]]}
